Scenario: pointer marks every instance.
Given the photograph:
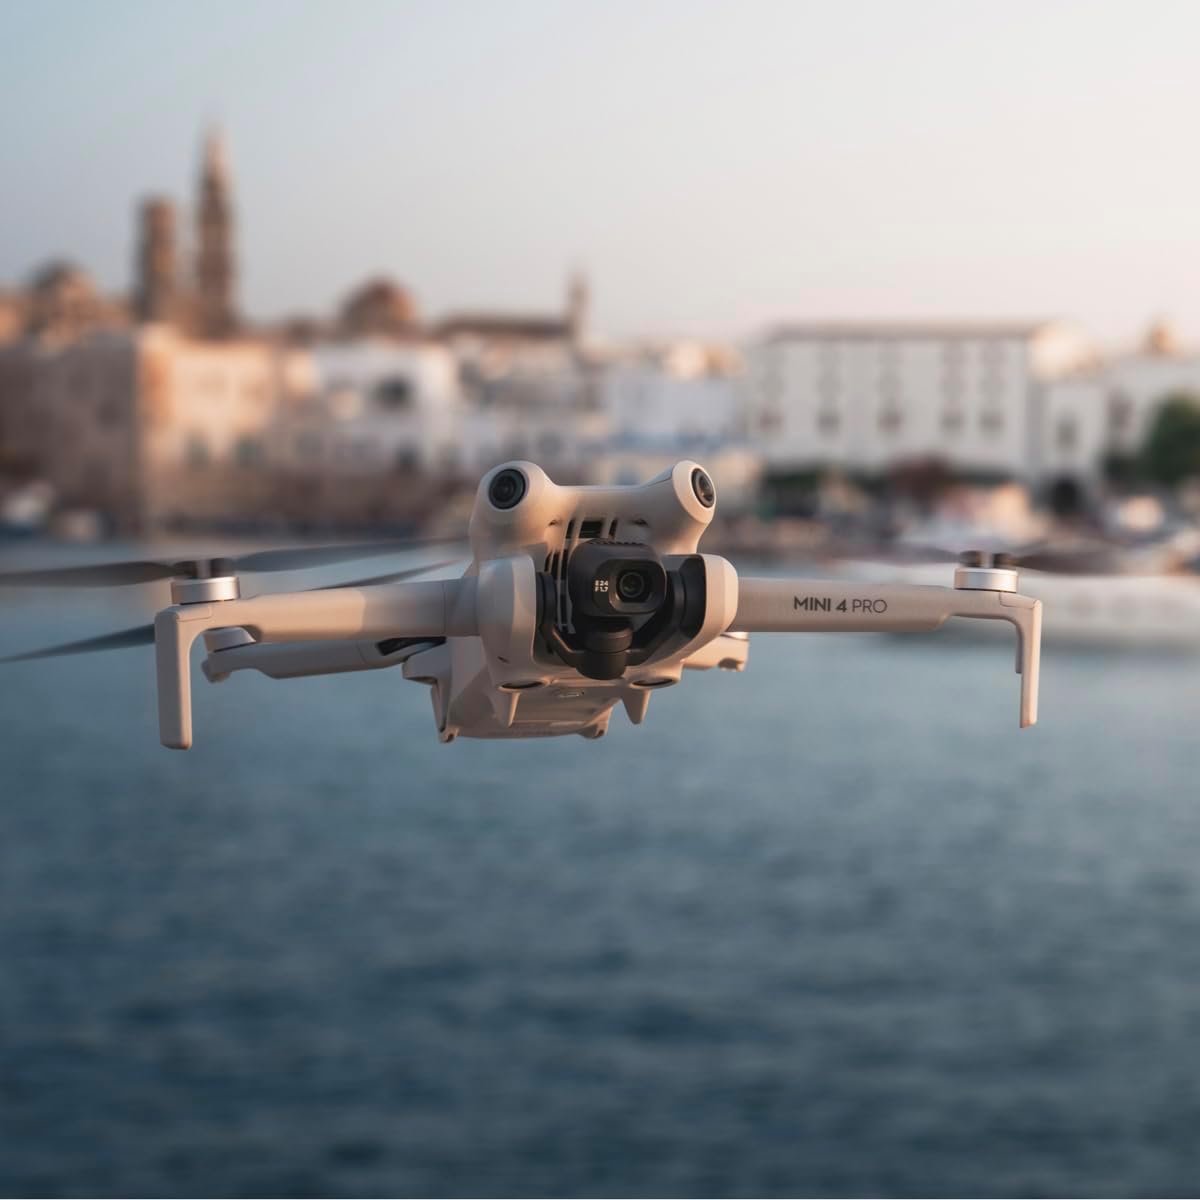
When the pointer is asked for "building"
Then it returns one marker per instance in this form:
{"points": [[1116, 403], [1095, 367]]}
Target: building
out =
{"points": [[379, 308], [681, 400], [62, 302], [214, 305], [686, 391], [156, 283], [491, 342], [146, 425], [372, 406], [1099, 416], [869, 396], [169, 411]]}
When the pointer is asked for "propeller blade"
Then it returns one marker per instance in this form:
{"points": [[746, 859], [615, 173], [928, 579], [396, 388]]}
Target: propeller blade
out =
{"points": [[888, 552], [98, 575], [141, 635], [912, 552], [1036, 556], [1068, 562], [391, 577], [292, 558], [297, 558]]}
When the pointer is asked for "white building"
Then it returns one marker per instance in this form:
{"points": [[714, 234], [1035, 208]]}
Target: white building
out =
{"points": [[1107, 410], [1075, 429], [373, 406], [684, 400], [686, 393], [870, 395]]}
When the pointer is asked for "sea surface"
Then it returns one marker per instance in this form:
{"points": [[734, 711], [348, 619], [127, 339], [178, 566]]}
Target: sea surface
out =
{"points": [[830, 927]]}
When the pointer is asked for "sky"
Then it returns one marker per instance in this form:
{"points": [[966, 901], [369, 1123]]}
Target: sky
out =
{"points": [[713, 167]]}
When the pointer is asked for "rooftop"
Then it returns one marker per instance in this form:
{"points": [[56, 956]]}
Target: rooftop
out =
{"points": [[500, 325], [903, 330]]}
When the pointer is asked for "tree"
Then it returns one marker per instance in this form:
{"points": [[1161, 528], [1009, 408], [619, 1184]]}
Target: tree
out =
{"points": [[1171, 452]]}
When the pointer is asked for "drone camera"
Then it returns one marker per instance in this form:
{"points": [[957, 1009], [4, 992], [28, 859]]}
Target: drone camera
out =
{"points": [[615, 580]]}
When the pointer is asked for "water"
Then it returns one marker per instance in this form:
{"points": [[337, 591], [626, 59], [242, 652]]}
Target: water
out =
{"points": [[829, 927]]}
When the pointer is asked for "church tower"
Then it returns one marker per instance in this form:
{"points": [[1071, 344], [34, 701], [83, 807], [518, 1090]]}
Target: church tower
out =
{"points": [[578, 303], [154, 292], [215, 311]]}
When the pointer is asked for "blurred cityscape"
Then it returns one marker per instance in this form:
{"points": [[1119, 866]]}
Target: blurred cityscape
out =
{"points": [[167, 408]]}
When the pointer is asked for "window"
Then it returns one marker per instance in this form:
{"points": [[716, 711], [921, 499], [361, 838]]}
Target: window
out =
{"points": [[406, 459], [196, 451], [991, 421], [952, 421], [1120, 413], [394, 394], [890, 420], [308, 446], [248, 451], [1066, 434], [828, 422], [770, 421], [771, 380]]}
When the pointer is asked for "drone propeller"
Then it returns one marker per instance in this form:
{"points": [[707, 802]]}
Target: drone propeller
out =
{"points": [[295, 558], [390, 577], [1039, 556], [140, 635], [143, 635]]}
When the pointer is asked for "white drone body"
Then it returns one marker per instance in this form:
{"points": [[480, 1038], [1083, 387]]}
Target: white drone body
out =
{"points": [[576, 598]]}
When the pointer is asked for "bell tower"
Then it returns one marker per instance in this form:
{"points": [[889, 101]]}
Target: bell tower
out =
{"points": [[578, 303], [154, 294], [216, 272]]}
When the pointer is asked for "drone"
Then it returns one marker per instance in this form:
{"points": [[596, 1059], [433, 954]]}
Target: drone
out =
{"points": [[576, 599]]}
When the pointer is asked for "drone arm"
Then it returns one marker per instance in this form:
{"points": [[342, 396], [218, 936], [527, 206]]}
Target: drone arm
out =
{"points": [[296, 660], [835, 606], [388, 610], [437, 609]]}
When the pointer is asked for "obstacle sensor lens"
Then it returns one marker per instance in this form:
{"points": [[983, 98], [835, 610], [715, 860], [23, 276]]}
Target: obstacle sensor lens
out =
{"points": [[507, 489]]}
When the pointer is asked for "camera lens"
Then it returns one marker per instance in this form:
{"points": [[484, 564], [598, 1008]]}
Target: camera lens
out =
{"points": [[633, 586], [507, 489], [703, 487]]}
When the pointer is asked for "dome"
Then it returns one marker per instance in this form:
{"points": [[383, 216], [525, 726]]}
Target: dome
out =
{"points": [[62, 299], [1161, 338], [379, 306], [61, 278]]}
